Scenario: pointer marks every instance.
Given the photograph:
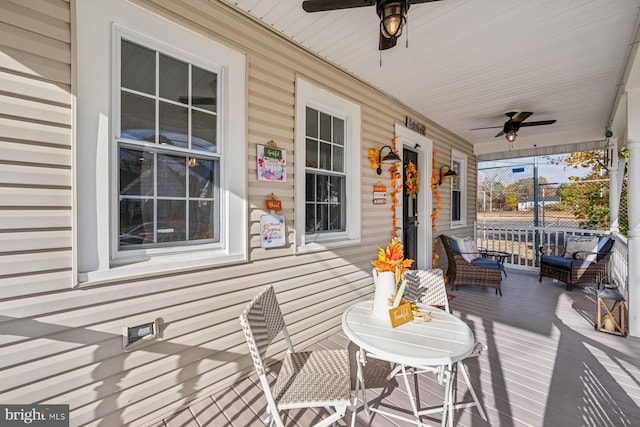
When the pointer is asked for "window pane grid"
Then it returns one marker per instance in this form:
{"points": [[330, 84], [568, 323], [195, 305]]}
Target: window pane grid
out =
{"points": [[325, 175], [184, 178]]}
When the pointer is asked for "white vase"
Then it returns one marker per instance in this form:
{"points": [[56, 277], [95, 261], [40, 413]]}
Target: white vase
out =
{"points": [[385, 284]]}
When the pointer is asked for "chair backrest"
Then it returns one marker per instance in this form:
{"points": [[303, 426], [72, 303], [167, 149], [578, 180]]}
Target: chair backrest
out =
{"points": [[605, 244], [450, 244], [261, 322], [427, 287]]}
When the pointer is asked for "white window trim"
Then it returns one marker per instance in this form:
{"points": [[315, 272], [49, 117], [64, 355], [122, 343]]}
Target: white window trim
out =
{"points": [[98, 261], [462, 159], [309, 95]]}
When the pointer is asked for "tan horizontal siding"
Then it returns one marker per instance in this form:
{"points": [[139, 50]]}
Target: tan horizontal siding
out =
{"points": [[25, 87], [34, 241], [37, 20], [35, 262], [35, 111], [35, 44], [23, 220], [24, 131], [35, 154], [50, 9], [35, 176], [35, 197], [31, 64], [33, 283]]}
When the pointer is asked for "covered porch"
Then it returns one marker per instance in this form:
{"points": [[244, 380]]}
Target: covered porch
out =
{"points": [[545, 366]]}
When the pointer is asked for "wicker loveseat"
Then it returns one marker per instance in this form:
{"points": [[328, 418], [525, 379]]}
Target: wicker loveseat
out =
{"points": [[480, 271], [575, 269]]}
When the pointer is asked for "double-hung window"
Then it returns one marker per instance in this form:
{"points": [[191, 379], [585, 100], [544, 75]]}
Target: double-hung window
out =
{"points": [[325, 176], [458, 189], [168, 157], [328, 159], [161, 152]]}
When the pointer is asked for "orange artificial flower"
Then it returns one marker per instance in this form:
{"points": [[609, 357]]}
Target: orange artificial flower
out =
{"points": [[392, 259]]}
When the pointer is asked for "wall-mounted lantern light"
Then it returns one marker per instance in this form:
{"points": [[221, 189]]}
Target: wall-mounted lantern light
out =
{"points": [[444, 174], [391, 157]]}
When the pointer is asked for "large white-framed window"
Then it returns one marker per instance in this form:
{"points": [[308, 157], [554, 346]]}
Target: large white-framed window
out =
{"points": [[161, 119], [458, 189], [327, 169]]}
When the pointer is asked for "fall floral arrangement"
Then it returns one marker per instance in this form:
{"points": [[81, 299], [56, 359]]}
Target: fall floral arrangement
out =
{"points": [[411, 179], [392, 259]]}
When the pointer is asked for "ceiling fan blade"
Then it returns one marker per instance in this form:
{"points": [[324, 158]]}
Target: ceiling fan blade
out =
{"points": [[324, 5], [386, 43], [489, 127], [521, 116], [540, 123], [500, 134]]}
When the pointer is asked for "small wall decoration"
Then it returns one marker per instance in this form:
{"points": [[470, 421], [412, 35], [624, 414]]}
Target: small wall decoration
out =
{"points": [[272, 231], [272, 225], [379, 194], [272, 204], [272, 163]]}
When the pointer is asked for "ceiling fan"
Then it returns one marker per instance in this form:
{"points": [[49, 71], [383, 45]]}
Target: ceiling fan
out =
{"points": [[515, 122], [392, 13]]}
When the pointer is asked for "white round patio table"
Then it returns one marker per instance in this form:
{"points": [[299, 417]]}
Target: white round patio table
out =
{"points": [[433, 345]]}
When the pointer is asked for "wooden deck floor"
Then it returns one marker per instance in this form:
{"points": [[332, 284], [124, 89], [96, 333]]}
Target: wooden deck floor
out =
{"points": [[546, 366]]}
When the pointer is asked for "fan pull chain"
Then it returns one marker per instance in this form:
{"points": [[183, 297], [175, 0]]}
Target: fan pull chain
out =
{"points": [[406, 38]]}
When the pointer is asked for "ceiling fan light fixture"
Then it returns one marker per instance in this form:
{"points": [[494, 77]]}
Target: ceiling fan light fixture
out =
{"points": [[511, 135], [393, 16]]}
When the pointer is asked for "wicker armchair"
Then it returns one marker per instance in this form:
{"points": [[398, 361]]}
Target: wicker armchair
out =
{"points": [[481, 272], [574, 270]]}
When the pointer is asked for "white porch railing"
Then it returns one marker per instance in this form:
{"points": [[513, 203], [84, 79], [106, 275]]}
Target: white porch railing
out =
{"points": [[523, 243], [619, 264]]}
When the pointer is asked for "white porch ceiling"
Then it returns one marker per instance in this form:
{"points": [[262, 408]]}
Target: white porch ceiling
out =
{"points": [[470, 61]]}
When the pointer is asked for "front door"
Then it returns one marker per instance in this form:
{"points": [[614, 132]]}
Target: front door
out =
{"points": [[409, 211]]}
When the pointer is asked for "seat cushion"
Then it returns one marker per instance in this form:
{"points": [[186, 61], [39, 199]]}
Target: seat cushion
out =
{"points": [[313, 378], [562, 262], [486, 263]]}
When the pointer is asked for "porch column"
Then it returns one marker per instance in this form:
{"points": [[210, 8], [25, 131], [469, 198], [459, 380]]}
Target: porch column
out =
{"points": [[614, 186], [633, 195]]}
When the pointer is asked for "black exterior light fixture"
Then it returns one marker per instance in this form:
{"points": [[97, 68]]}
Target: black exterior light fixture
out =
{"points": [[391, 157], [393, 17], [444, 174]]}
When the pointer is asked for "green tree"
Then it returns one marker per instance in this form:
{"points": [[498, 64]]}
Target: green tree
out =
{"points": [[588, 197]]}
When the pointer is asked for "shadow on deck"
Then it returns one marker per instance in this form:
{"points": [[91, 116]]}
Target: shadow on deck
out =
{"points": [[546, 366]]}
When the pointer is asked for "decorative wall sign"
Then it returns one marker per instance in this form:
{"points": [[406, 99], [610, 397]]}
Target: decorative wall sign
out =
{"points": [[272, 231], [272, 204], [379, 194], [272, 163], [415, 126]]}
